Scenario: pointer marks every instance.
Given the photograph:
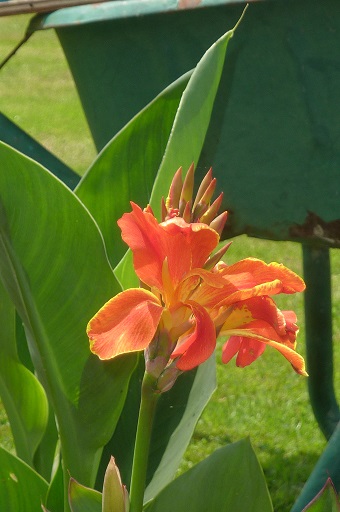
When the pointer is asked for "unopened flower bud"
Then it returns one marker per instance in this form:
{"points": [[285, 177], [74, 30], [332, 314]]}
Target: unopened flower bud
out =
{"points": [[203, 187], [219, 223], [115, 496], [175, 190], [168, 378], [215, 258], [187, 189], [157, 354]]}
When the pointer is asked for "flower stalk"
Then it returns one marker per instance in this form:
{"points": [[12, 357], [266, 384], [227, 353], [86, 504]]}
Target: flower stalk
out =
{"points": [[149, 399]]}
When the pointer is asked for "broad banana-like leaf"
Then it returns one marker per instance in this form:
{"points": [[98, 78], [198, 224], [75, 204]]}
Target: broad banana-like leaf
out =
{"points": [[231, 479], [21, 488], [22, 394], [173, 431], [54, 267], [125, 169], [84, 499], [183, 147], [193, 116], [55, 493]]}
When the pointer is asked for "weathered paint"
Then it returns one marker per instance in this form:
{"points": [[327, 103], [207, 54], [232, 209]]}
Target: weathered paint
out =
{"points": [[314, 229]]}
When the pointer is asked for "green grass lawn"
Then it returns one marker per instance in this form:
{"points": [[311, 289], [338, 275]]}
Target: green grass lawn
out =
{"points": [[266, 401], [37, 93]]}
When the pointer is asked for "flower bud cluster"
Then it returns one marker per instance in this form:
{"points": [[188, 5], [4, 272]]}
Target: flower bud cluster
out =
{"points": [[180, 201]]}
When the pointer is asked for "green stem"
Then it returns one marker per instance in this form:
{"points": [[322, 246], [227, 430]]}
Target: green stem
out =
{"points": [[147, 409]]}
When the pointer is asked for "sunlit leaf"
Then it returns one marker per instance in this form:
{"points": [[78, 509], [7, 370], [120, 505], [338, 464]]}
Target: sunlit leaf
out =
{"points": [[126, 168], [22, 395], [230, 479], [84, 499], [53, 265], [21, 487]]}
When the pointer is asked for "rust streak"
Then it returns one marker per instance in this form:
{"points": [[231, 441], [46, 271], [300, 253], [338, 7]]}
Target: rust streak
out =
{"points": [[316, 228], [188, 4]]}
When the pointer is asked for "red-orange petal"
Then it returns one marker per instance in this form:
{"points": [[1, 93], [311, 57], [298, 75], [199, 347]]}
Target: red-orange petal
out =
{"points": [[141, 232], [247, 350], [262, 272], [126, 323], [260, 309], [185, 246], [196, 347], [257, 308], [265, 333], [259, 320], [249, 278]]}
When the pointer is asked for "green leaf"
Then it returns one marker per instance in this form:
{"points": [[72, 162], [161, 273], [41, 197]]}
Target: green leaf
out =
{"points": [[326, 501], [55, 494], [44, 457], [184, 146], [84, 499], [125, 273], [229, 480], [192, 120], [21, 488], [177, 414], [122, 443], [22, 395], [187, 135], [54, 266], [126, 168], [114, 495]]}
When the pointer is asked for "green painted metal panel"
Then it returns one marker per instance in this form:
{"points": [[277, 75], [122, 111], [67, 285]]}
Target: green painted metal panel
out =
{"points": [[275, 128], [118, 9], [276, 124]]}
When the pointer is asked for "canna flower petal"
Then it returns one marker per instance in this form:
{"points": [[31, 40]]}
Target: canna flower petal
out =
{"points": [[262, 272], [258, 320], [247, 350], [198, 345], [192, 295], [256, 308], [126, 323], [184, 246], [141, 232], [293, 357], [196, 239], [249, 278]]}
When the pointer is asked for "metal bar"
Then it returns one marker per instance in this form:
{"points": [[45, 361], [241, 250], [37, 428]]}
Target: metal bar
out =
{"points": [[318, 314]]}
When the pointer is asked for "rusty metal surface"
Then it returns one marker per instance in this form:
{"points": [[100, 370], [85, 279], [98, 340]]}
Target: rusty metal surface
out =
{"points": [[317, 230]]}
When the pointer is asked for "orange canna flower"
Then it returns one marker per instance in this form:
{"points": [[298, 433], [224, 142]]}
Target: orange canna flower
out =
{"points": [[188, 296]]}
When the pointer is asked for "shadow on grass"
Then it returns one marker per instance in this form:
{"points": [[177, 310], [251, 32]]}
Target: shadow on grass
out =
{"points": [[286, 475]]}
